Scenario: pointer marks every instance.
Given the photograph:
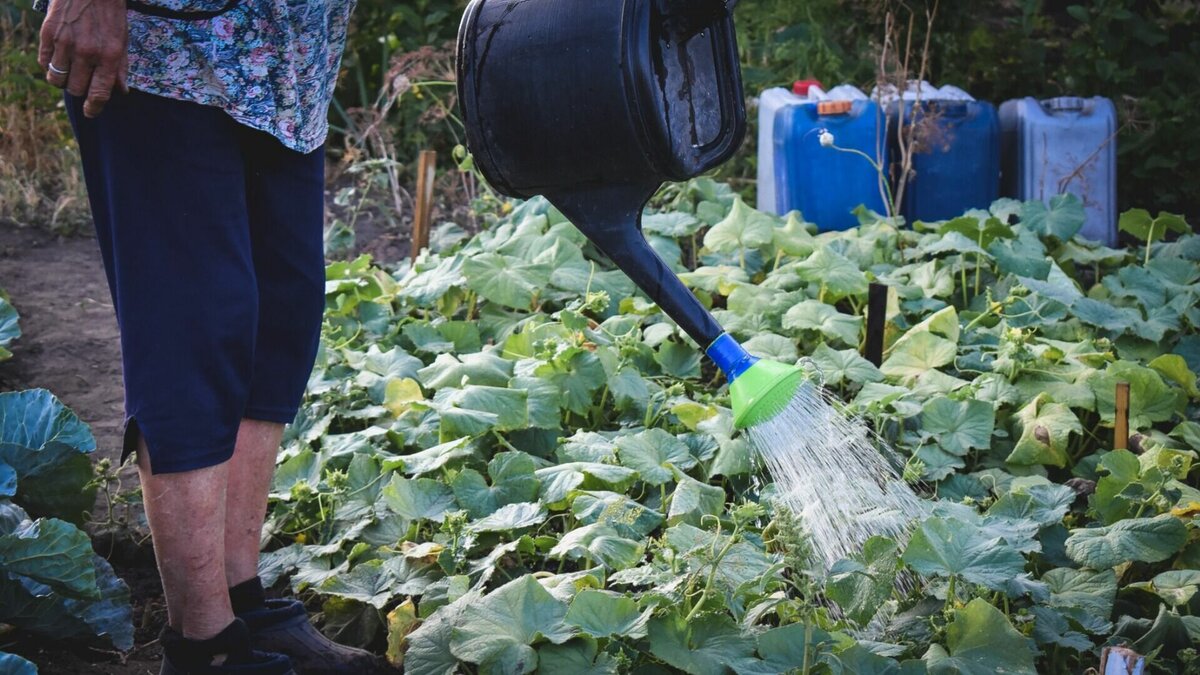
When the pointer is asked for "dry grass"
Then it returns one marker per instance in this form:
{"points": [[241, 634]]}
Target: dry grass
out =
{"points": [[40, 180]]}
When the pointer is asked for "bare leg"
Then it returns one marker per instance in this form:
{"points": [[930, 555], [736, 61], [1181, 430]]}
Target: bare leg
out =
{"points": [[250, 473], [187, 522]]}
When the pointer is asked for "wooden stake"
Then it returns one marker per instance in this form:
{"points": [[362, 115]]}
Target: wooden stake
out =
{"points": [[876, 314], [426, 170], [1121, 425]]}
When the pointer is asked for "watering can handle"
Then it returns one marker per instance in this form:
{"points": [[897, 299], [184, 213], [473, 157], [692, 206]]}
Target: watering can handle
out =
{"points": [[685, 18], [617, 232]]}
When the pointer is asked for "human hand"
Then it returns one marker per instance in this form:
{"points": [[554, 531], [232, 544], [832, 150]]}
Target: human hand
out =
{"points": [[84, 49]]}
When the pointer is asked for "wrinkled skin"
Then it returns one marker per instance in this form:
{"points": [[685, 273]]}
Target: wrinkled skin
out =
{"points": [[88, 39]]}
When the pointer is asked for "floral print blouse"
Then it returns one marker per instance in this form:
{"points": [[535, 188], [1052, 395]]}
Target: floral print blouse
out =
{"points": [[270, 64]]}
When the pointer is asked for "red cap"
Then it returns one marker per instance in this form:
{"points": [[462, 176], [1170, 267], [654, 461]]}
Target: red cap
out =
{"points": [[800, 87]]}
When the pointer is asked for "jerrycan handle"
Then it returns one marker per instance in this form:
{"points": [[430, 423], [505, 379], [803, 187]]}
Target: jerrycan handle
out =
{"points": [[1065, 104]]}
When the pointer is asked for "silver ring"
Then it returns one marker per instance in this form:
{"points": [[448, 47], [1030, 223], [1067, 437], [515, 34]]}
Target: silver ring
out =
{"points": [[56, 71]]}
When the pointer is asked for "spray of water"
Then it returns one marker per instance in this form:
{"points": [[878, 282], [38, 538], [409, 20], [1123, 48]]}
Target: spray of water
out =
{"points": [[836, 475]]}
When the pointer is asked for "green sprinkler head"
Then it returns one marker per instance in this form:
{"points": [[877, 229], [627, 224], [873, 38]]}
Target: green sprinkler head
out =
{"points": [[759, 389]]}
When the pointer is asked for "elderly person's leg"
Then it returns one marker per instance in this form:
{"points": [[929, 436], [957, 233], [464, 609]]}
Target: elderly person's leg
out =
{"points": [[245, 507], [285, 195], [167, 188], [187, 520]]}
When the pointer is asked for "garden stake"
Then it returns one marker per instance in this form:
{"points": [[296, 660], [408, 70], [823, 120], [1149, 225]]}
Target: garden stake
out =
{"points": [[1121, 421], [876, 313], [423, 211]]}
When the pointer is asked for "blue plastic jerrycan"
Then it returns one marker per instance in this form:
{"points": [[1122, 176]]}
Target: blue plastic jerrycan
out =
{"points": [[1065, 144], [956, 165], [770, 101], [824, 183]]}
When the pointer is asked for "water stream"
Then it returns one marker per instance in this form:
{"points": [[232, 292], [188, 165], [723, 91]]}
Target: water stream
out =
{"points": [[836, 475]]}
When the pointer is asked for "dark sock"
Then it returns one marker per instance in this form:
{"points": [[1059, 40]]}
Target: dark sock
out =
{"points": [[248, 596], [231, 645]]}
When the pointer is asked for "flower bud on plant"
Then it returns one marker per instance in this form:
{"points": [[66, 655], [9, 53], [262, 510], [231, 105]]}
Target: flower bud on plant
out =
{"points": [[825, 138]]}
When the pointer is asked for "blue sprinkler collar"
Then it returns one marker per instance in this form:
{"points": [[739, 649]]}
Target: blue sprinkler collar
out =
{"points": [[730, 357]]}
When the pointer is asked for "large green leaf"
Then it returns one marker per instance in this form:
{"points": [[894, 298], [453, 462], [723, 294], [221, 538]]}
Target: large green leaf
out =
{"points": [[433, 459], [1043, 504], [474, 410], [824, 319], [1136, 539], [11, 664], [37, 608], [578, 376], [1175, 587], [10, 328], [743, 228], [504, 279], [793, 238], [700, 647], [512, 517], [629, 518], [743, 563], [559, 480], [945, 548], [1062, 219], [428, 650], [844, 366], [861, 586], [1046, 428], [484, 368], [1150, 399], [981, 641], [773, 347], [377, 582], [922, 352], [599, 542], [47, 446], [958, 426], [499, 630], [603, 614], [1140, 224], [418, 498], [513, 481], [655, 455], [1120, 469], [579, 657], [692, 500], [50, 551], [833, 272]]}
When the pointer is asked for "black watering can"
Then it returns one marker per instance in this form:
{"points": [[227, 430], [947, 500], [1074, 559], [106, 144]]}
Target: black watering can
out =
{"points": [[594, 104]]}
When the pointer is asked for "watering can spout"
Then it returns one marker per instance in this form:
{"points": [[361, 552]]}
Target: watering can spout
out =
{"points": [[610, 217], [731, 357]]}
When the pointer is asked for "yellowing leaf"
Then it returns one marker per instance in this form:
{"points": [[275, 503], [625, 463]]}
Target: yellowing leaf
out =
{"points": [[400, 394], [400, 622]]}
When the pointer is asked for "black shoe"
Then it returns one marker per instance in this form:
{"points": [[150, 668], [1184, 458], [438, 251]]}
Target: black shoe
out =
{"points": [[229, 653], [282, 626]]}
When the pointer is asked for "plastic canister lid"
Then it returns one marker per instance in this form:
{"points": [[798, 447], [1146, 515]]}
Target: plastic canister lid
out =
{"points": [[801, 87], [834, 107]]}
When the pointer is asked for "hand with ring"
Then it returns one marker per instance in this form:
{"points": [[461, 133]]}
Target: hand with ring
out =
{"points": [[84, 49]]}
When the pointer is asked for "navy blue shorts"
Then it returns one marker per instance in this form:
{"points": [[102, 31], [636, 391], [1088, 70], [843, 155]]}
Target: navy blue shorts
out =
{"points": [[211, 235]]}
